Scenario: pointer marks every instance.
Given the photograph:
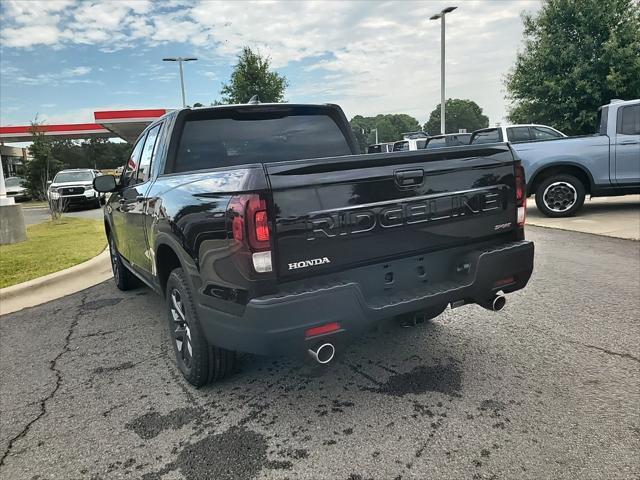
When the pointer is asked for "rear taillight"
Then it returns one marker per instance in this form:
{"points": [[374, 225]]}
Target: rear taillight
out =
{"points": [[521, 195], [250, 227]]}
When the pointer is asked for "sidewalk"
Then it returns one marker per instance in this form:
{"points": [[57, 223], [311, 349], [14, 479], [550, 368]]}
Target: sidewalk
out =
{"points": [[55, 285], [609, 216]]}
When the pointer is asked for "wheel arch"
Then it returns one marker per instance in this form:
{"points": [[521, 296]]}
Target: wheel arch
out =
{"points": [[568, 168], [166, 260]]}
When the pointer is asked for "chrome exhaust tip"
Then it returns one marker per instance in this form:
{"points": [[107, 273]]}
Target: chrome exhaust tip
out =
{"points": [[498, 303], [323, 354], [495, 304]]}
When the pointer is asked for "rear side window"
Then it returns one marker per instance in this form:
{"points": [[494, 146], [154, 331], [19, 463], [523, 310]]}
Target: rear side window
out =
{"points": [[518, 134], [223, 142], [437, 143], [487, 136], [629, 120], [401, 146]]}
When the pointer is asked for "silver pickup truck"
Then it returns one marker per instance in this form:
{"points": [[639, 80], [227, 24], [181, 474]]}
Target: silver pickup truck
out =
{"points": [[561, 172]]}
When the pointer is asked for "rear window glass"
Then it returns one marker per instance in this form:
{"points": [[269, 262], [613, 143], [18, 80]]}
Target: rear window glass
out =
{"points": [[487, 136], [222, 142], [437, 143], [401, 146]]}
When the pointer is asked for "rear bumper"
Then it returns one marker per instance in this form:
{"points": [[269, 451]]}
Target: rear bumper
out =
{"points": [[277, 323]]}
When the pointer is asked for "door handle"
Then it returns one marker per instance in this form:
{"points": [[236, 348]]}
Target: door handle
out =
{"points": [[409, 178]]}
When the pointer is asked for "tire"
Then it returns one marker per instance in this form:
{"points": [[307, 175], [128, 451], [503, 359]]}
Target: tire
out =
{"points": [[199, 362], [560, 195], [421, 316], [124, 279]]}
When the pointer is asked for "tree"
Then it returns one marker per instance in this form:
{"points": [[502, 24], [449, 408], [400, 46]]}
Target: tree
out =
{"points": [[42, 166], [252, 76], [578, 55], [459, 114], [390, 128]]}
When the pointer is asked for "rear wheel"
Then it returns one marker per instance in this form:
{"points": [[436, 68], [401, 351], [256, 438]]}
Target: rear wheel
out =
{"points": [[560, 195], [124, 279], [199, 362]]}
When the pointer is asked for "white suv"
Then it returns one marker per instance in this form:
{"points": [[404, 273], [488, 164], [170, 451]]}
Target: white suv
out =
{"points": [[75, 187]]}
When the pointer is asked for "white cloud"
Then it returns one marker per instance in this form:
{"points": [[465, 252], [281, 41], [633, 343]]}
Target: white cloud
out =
{"points": [[370, 57], [13, 75]]}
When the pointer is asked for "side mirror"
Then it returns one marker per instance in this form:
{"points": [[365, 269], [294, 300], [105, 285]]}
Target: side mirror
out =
{"points": [[105, 183], [49, 182]]}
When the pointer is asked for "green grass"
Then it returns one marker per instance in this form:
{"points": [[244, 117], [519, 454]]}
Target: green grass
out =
{"points": [[51, 246]]}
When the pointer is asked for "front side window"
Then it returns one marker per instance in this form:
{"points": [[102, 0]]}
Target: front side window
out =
{"points": [[420, 144], [374, 149], [518, 134], [148, 152], [544, 133], [629, 120], [130, 169]]}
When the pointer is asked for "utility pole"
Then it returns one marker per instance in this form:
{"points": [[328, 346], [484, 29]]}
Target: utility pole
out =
{"points": [[180, 60], [441, 16]]}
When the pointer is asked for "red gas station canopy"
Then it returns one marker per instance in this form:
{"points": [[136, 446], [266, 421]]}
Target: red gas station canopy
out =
{"points": [[126, 124]]}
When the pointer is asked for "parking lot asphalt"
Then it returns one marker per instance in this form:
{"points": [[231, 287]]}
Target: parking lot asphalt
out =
{"points": [[41, 214], [610, 216], [547, 388]]}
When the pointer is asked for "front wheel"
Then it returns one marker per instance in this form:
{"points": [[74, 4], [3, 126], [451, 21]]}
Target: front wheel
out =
{"points": [[199, 362], [560, 195]]}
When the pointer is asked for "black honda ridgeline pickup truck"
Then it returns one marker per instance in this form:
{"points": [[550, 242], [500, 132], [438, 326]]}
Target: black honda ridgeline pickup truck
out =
{"points": [[267, 232]]}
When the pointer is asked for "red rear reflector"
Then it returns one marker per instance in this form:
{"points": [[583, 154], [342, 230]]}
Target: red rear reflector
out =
{"points": [[322, 329], [261, 225], [505, 281], [238, 228]]}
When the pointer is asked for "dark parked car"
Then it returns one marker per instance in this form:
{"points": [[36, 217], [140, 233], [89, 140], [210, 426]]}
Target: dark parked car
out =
{"points": [[266, 233]]}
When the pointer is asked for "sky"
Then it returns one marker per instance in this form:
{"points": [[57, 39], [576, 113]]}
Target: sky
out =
{"points": [[63, 59]]}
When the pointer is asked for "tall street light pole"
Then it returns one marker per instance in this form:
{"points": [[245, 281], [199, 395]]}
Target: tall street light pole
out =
{"points": [[180, 60], [441, 16]]}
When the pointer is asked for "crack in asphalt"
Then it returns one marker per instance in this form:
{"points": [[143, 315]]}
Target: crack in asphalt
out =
{"points": [[594, 347], [611, 352], [53, 366]]}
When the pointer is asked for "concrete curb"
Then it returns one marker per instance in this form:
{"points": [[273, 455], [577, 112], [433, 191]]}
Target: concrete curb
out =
{"points": [[56, 285]]}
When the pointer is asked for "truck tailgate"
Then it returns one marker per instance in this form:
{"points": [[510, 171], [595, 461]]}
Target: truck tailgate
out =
{"points": [[336, 213]]}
